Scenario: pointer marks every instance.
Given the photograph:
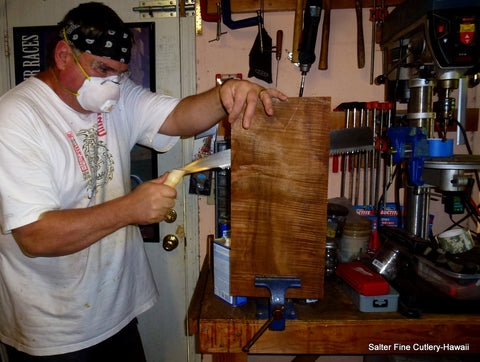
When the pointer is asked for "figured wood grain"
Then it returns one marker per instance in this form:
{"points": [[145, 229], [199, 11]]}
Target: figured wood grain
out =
{"points": [[279, 182]]}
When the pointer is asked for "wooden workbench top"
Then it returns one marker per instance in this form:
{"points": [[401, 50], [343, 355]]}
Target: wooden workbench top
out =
{"points": [[332, 325]]}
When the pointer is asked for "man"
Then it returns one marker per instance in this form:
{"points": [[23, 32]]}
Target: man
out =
{"points": [[73, 270]]}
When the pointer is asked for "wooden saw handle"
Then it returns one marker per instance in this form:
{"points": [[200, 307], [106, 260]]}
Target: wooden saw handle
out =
{"points": [[323, 63]]}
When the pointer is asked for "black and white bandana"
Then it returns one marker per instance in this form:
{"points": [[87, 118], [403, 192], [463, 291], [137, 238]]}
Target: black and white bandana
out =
{"points": [[113, 44]]}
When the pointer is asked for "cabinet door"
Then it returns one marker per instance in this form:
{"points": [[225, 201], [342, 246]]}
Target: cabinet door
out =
{"points": [[163, 327], [279, 197]]}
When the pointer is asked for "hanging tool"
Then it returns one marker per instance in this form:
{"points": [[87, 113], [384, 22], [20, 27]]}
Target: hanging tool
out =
{"points": [[349, 140], [365, 154], [380, 146], [311, 20], [373, 19], [353, 158], [208, 17], [237, 24], [278, 53], [260, 29], [372, 110], [297, 30], [260, 57], [386, 112], [360, 156], [323, 63], [377, 15], [219, 25], [381, 14], [334, 146], [360, 42]]}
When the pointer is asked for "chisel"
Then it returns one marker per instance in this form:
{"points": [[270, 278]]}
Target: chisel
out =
{"points": [[278, 53]]}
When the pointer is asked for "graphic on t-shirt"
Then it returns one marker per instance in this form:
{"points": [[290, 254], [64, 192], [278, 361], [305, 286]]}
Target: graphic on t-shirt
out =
{"points": [[99, 159], [80, 159]]}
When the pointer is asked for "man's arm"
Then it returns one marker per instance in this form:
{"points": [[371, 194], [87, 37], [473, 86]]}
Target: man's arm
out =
{"points": [[198, 113], [63, 232]]}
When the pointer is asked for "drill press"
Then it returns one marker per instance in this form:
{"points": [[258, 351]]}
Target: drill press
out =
{"points": [[432, 48]]}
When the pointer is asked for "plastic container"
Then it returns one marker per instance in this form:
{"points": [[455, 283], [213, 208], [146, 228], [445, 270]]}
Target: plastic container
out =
{"points": [[456, 285], [355, 240], [373, 303], [362, 279]]}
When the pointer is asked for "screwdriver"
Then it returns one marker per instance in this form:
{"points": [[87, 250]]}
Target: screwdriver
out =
{"points": [[311, 20]]}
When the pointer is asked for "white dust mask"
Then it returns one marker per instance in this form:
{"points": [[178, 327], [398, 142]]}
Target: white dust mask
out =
{"points": [[99, 94]]}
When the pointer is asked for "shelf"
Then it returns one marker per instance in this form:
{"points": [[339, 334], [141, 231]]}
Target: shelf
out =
{"points": [[251, 6]]}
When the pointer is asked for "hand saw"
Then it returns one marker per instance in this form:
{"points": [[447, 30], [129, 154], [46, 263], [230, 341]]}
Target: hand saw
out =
{"points": [[350, 140]]}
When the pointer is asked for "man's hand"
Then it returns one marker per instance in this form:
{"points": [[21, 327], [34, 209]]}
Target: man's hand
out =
{"points": [[152, 200], [237, 96]]}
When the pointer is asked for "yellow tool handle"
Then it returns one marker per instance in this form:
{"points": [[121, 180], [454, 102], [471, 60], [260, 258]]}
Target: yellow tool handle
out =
{"points": [[174, 177]]}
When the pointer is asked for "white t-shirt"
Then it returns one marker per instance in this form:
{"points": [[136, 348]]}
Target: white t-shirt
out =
{"points": [[51, 157]]}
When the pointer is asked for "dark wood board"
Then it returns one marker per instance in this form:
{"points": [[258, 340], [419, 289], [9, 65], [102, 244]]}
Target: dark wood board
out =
{"points": [[279, 197], [251, 6]]}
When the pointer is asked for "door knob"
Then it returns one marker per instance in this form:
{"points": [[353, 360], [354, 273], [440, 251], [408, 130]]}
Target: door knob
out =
{"points": [[170, 242], [171, 216]]}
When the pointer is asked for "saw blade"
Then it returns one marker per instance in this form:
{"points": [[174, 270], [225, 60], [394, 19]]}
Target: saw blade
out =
{"points": [[350, 140]]}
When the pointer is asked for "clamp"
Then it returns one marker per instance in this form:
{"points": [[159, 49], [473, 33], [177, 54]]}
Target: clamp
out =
{"points": [[279, 310]]}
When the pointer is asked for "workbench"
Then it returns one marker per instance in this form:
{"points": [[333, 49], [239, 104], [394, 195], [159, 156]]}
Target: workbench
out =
{"points": [[332, 325]]}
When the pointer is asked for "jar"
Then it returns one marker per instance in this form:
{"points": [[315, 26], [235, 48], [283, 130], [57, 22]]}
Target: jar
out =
{"points": [[331, 260], [355, 239]]}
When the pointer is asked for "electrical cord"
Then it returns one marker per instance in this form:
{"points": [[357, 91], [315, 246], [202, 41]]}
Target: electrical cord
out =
{"points": [[472, 209], [469, 149]]}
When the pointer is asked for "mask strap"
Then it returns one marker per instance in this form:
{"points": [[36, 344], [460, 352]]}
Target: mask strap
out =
{"points": [[74, 56], [65, 89]]}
